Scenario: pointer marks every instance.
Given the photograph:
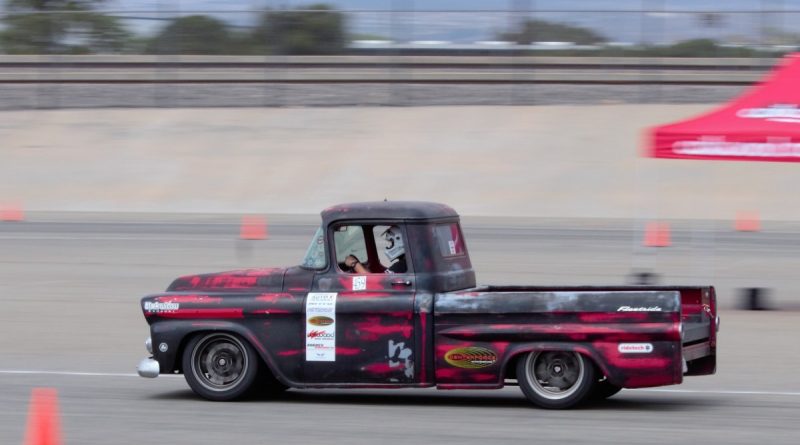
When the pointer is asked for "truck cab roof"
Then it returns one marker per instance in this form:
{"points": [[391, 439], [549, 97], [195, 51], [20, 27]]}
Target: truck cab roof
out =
{"points": [[433, 239], [388, 210]]}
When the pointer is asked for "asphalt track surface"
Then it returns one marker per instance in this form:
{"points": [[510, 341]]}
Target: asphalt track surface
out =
{"points": [[70, 286]]}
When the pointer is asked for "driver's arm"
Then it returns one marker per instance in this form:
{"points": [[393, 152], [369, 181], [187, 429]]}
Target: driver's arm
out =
{"points": [[352, 262]]}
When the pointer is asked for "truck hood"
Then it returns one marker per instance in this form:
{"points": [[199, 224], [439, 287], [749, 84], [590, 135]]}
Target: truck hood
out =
{"points": [[270, 279]]}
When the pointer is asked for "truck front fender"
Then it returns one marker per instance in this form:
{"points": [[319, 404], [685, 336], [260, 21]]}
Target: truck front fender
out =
{"points": [[170, 338]]}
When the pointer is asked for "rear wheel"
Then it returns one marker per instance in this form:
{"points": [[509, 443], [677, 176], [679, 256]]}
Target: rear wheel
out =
{"points": [[555, 379], [220, 366]]}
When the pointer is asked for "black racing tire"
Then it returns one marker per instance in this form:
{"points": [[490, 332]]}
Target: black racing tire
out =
{"points": [[555, 379], [220, 366], [602, 390]]}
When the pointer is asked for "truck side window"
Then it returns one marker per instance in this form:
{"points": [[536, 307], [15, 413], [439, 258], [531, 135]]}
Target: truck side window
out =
{"points": [[315, 254], [448, 238], [349, 240]]}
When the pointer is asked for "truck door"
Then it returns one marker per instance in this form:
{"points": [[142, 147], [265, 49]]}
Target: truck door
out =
{"points": [[359, 325]]}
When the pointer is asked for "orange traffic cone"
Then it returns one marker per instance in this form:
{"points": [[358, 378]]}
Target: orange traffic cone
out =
{"points": [[657, 235], [44, 426], [11, 212], [253, 227], [747, 222]]}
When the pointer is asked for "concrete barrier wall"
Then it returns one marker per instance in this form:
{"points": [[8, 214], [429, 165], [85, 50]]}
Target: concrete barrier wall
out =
{"points": [[545, 161], [416, 69]]}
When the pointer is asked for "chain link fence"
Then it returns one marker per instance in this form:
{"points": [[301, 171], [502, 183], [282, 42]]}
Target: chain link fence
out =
{"points": [[41, 48]]}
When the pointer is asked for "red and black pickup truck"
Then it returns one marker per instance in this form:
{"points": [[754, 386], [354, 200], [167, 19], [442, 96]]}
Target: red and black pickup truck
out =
{"points": [[386, 298]]}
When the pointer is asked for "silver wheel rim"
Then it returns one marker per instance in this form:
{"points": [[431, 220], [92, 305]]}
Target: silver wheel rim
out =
{"points": [[219, 362], [554, 375]]}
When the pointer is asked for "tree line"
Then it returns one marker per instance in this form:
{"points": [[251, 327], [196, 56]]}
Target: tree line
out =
{"points": [[79, 27], [76, 27]]}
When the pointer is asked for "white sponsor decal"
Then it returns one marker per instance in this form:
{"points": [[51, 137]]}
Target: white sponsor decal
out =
{"points": [[321, 334], [743, 149], [154, 306], [321, 340], [359, 283], [635, 348], [639, 309], [776, 113], [452, 245]]}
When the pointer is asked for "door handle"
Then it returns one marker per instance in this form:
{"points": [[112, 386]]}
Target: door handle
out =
{"points": [[401, 282]]}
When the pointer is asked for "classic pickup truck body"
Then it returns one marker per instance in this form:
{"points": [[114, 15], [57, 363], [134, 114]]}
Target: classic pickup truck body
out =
{"points": [[321, 325]]}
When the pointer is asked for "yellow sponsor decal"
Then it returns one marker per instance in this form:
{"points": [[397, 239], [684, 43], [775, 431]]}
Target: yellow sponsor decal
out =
{"points": [[471, 357], [320, 320]]}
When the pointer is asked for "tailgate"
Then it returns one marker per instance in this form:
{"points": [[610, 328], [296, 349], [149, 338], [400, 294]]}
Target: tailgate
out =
{"points": [[699, 323]]}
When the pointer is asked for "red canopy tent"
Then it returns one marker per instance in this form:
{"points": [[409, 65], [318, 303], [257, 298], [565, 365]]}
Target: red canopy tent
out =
{"points": [[761, 125]]}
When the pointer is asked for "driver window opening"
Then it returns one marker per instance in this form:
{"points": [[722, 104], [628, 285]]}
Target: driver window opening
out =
{"points": [[349, 240], [370, 249]]}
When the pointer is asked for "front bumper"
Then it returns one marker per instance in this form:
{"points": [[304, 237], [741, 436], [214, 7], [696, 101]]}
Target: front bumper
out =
{"points": [[148, 368]]}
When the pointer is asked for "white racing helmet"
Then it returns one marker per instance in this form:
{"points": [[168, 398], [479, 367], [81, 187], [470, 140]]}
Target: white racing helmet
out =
{"points": [[396, 246]]}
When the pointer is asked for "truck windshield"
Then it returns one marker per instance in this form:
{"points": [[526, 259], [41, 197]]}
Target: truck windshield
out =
{"points": [[315, 255]]}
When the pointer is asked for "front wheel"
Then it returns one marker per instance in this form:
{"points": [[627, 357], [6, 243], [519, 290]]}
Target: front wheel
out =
{"points": [[555, 379], [220, 366]]}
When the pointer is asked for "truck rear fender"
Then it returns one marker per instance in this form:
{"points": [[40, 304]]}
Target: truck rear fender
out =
{"points": [[518, 351], [660, 367]]}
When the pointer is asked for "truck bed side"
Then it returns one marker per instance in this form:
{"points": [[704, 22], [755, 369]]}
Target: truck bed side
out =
{"points": [[633, 334]]}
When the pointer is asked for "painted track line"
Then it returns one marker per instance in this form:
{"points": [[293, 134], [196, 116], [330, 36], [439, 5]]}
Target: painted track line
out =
{"points": [[677, 391], [74, 373], [723, 392]]}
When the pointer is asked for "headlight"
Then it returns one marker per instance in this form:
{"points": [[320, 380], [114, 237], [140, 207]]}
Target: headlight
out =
{"points": [[148, 344]]}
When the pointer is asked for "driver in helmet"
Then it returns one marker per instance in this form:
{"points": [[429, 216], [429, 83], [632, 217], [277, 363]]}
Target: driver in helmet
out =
{"points": [[395, 252]]}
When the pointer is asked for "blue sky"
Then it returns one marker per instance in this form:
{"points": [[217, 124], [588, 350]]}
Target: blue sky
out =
{"points": [[458, 20]]}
